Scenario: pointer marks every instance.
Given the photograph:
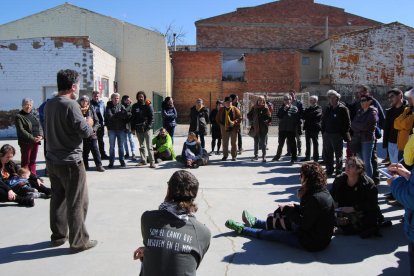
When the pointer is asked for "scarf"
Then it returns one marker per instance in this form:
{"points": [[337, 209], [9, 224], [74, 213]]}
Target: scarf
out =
{"points": [[85, 110], [227, 120], [188, 143], [198, 109], [175, 210]]}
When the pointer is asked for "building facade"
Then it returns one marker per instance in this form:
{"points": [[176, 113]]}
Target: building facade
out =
{"points": [[142, 56], [28, 69]]}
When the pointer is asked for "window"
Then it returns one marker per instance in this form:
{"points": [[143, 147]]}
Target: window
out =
{"points": [[305, 60]]}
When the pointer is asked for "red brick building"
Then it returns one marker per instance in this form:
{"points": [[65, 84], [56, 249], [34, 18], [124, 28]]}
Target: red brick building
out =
{"points": [[273, 41]]}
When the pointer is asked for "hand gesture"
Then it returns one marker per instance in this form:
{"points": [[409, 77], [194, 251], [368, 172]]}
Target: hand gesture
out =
{"points": [[139, 253]]}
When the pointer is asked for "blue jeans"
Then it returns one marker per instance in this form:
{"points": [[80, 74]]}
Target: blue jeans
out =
{"points": [[120, 136], [129, 138], [395, 154], [365, 155], [259, 231]]}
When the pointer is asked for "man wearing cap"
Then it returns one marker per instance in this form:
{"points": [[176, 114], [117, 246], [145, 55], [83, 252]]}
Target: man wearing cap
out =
{"points": [[398, 104], [229, 118], [335, 129], [199, 120]]}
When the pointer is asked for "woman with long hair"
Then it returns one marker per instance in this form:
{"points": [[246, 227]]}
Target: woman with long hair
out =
{"points": [[259, 117], [307, 225]]}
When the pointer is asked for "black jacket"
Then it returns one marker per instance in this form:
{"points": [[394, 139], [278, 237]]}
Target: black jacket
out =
{"points": [[363, 197], [142, 117], [116, 117], [289, 120], [199, 120], [92, 114], [337, 120], [312, 117], [316, 218]]}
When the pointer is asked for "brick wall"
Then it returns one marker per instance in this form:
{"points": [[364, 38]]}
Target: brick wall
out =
{"points": [[278, 25], [382, 56], [273, 71], [196, 75]]}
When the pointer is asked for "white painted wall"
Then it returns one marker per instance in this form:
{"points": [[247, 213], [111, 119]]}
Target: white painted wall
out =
{"points": [[142, 55], [28, 69], [25, 71]]}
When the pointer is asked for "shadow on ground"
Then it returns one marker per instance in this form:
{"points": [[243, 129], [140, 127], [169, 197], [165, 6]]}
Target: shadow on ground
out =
{"points": [[342, 250], [26, 252]]}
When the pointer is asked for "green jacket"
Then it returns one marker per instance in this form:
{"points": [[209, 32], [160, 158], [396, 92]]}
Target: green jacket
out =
{"points": [[162, 145], [24, 129]]}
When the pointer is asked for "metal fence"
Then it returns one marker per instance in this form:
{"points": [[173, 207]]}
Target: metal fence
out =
{"points": [[157, 100]]}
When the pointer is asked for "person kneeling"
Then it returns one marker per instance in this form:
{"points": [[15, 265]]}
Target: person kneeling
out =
{"points": [[163, 147], [307, 225]]}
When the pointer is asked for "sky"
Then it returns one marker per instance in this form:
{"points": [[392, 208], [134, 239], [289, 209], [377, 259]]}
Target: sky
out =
{"points": [[181, 14]]}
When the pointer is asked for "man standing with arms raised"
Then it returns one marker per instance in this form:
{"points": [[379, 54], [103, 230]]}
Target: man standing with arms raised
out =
{"points": [[65, 127]]}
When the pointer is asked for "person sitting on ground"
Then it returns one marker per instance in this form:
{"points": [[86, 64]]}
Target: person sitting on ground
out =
{"points": [[174, 218], [307, 225], [193, 155], [9, 169], [163, 147], [6, 193], [21, 186], [356, 198]]}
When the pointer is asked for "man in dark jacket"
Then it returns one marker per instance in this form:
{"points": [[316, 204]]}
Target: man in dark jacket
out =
{"points": [[335, 129], [116, 118], [99, 107], [199, 120], [141, 122], [298, 103], [312, 126], [288, 115], [395, 97]]}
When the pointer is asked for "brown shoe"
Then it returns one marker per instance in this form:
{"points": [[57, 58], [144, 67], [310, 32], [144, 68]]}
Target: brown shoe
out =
{"points": [[90, 244], [152, 165]]}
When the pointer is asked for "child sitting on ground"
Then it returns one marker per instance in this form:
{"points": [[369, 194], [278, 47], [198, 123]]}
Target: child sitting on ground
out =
{"points": [[20, 185]]}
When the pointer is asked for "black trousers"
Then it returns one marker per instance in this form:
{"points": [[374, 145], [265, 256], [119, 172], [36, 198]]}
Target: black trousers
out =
{"points": [[100, 134], [91, 145], [291, 141], [333, 145], [312, 136]]}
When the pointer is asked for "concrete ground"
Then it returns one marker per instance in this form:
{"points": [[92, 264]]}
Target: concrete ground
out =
{"points": [[118, 197]]}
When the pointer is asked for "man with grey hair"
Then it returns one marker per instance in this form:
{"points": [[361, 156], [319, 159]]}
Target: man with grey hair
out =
{"points": [[312, 126], [65, 127], [335, 129], [116, 118]]}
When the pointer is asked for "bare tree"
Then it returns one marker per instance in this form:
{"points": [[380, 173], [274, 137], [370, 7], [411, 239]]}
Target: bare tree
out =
{"points": [[169, 32]]}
